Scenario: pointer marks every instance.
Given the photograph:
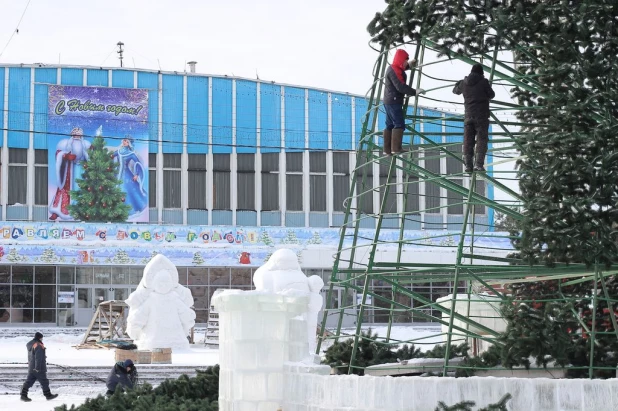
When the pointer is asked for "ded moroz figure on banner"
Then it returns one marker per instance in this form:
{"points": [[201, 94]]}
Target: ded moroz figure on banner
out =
{"points": [[132, 174], [69, 153]]}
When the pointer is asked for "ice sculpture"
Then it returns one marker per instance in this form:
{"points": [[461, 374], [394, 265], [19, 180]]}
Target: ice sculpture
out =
{"points": [[282, 273], [160, 314]]}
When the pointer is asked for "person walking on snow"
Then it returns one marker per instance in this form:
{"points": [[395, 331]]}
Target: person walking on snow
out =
{"points": [[477, 92], [123, 374], [395, 89], [37, 368]]}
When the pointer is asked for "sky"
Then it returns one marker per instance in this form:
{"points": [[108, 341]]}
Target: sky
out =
{"points": [[311, 43]]}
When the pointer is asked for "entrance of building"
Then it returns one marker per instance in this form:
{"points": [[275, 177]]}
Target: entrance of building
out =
{"points": [[341, 299], [89, 298]]}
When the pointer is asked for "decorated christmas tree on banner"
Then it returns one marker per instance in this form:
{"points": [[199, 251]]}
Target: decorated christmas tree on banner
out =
{"points": [[290, 238], [100, 196], [198, 259], [49, 256], [265, 238]]}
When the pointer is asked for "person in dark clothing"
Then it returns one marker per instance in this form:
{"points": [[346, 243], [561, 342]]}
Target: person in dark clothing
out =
{"points": [[123, 374], [395, 89], [37, 368], [477, 92]]}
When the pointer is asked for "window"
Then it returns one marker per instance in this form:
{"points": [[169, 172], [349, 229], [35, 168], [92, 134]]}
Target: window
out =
{"points": [[172, 185], [454, 165], [40, 177], [364, 186], [246, 181], [391, 199], [480, 189], [411, 183], [270, 181], [341, 180], [317, 181], [221, 181], [197, 181], [152, 179], [432, 190], [455, 200], [18, 175], [294, 181]]}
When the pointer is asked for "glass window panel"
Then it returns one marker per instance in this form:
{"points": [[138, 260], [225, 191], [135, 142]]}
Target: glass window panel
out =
{"points": [[241, 276], [152, 160], [480, 189], [44, 296], [84, 297], [45, 274], [317, 162], [198, 276], [246, 191], [391, 200], [136, 275], [201, 316], [171, 189], [18, 176], [102, 275], [182, 275], [270, 192], [5, 274], [454, 165], [341, 162], [221, 162], [200, 297], [21, 315], [364, 195], [22, 296], [44, 316], [121, 275], [5, 296], [197, 162], [294, 162], [365, 166], [341, 190], [40, 156], [412, 202], [432, 198], [432, 160], [219, 276], [270, 162], [221, 191], [40, 185], [294, 192], [197, 190], [171, 160], [84, 275], [245, 162], [23, 273], [18, 155], [317, 193], [66, 288], [152, 188], [455, 200]]}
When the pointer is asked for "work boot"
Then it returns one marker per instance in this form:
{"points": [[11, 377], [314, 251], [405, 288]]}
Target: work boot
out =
{"points": [[397, 140], [49, 395], [468, 164], [24, 394], [479, 162], [387, 141]]}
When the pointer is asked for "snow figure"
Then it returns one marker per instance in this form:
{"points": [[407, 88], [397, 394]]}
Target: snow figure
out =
{"points": [[160, 314], [70, 152], [282, 273], [132, 174]]}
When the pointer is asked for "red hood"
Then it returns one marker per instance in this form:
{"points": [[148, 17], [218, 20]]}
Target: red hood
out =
{"points": [[399, 63]]}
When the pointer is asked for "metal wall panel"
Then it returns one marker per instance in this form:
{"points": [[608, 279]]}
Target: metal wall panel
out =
{"points": [[72, 77], [96, 77], [246, 116], [122, 78], [221, 217], [172, 216], [294, 119], [197, 115], [221, 116], [341, 121], [17, 212], [172, 113], [270, 118], [150, 81], [2, 85], [271, 218], [318, 219], [48, 76], [19, 107], [40, 213], [294, 219], [318, 120], [246, 218]]}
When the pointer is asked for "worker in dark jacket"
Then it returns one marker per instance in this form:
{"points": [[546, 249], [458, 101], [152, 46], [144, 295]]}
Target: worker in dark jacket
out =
{"points": [[123, 374], [37, 368], [395, 89], [477, 92]]}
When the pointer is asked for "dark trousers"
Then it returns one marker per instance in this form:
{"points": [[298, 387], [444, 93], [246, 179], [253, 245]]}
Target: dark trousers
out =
{"points": [[394, 116], [41, 377], [476, 129]]}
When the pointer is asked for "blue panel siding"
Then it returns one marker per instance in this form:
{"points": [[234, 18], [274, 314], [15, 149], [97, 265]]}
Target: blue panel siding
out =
{"points": [[172, 113], [271, 218], [294, 119], [72, 77], [342, 122], [480, 223], [318, 120], [413, 222], [197, 115], [246, 117], [246, 218], [150, 81], [48, 76], [45, 75], [433, 126], [221, 116], [221, 217], [97, 78], [122, 78], [367, 223], [391, 221], [17, 213], [197, 217], [454, 222], [19, 107], [318, 219], [294, 219], [172, 216], [153, 215], [433, 222], [490, 187], [360, 111], [408, 137], [1, 104], [339, 218], [40, 213], [270, 118], [381, 119]]}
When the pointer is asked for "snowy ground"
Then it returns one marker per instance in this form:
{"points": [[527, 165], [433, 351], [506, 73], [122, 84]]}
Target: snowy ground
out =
{"points": [[61, 352]]}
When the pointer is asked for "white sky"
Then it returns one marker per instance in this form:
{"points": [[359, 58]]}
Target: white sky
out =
{"points": [[312, 43]]}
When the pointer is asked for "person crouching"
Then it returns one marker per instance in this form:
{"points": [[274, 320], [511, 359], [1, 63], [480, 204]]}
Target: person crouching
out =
{"points": [[123, 374]]}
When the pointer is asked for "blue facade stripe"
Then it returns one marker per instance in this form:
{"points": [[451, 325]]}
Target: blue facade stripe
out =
{"points": [[47, 76], [19, 107], [150, 81], [294, 119], [97, 78], [2, 126], [270, 118], [72, 77], [412, 139], [221, 116], [318, 120], [433, 125], [197, 115], [342, 121], [172, 113], [246, 117], [360, 112], [122, 78]]}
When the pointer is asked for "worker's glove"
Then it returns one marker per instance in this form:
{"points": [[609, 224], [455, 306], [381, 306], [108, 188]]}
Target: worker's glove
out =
{"points": [[420, 91], [411, 63]]}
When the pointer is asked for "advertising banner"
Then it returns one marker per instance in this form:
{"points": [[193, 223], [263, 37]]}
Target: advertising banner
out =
{"points": [[98, 154]]}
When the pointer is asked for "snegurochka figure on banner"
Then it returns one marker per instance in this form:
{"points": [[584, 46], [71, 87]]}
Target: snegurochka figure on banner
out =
{"points": [[70, 152], [132, 174]]}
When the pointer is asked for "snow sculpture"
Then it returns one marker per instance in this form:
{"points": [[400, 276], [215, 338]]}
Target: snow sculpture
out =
{"points": [[160, 314], [282, 273]]}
